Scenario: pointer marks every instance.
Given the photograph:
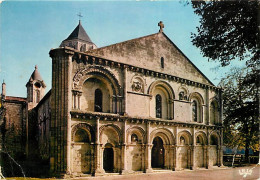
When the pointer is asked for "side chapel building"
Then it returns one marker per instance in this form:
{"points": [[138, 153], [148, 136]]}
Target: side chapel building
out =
{"points": [[138, 105]]}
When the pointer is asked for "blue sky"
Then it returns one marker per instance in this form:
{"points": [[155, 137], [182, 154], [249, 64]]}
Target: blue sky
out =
{"points": [[29, 29]]}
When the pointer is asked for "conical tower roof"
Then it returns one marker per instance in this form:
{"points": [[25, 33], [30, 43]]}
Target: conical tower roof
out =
{"points": [[36, 75], [79, 33]]}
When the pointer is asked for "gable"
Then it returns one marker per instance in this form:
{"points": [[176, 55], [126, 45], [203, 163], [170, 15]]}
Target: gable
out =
{"points": [[146, 52]]}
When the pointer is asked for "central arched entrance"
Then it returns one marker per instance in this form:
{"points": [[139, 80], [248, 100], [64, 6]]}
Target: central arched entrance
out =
{"points": [[108, 158], [157, 153]]}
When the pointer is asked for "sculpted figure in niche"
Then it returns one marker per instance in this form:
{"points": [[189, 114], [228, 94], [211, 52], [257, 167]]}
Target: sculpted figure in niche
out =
{"points": [[134, 138], [137, 86], [182, 140], [182, 96]]}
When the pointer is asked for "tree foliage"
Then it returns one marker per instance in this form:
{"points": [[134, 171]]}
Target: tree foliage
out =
{"points": [[240, 105], [228, 30]]}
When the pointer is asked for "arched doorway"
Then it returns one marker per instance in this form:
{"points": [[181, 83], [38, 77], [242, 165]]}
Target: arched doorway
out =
{"points": [[157, 153], [82, 151], [108, 158]]}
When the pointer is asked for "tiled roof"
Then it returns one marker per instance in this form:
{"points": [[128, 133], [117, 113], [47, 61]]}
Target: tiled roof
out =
{"points": [[12, 98], [79, 33]]}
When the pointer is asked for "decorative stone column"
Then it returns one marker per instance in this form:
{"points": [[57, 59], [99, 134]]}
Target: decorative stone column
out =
{"points": [[167, 157], [192, 159], [76, 99], [148, 149], [79, 95], [114, 104], [174, 154], [98, 152], [206, 148], [143, 157], [219, 155], [119, 104], [123, 156], [93, 158], [171, 109], [125, 110], [207, 106], [149, 158]]}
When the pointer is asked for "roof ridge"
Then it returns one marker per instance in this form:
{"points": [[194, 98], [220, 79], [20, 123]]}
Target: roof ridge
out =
{"points": [[123, 42]]}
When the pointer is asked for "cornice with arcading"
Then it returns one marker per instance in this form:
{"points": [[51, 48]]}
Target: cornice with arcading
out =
{"points": [[86, 116], [85, 58]]}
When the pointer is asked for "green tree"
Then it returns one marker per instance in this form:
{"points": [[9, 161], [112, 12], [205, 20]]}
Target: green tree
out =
{"points": [[240, 105], [228, 30]]}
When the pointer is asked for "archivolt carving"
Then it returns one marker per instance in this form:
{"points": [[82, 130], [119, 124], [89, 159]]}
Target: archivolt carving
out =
{"points": [[114, 127], [137, 130], [187, 136], [197, 96], [165, 134], [82, 74], [203, 136], [163, 84], [85, 127], [216, 135]]}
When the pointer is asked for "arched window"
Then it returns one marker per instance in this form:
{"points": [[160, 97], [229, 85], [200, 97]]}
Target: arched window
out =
{"points": [[199, 140], [195, 111], [38, 96], [81, 136], [162, 62], [213, 140], [134, 138], [98, 100], [158, 107]]}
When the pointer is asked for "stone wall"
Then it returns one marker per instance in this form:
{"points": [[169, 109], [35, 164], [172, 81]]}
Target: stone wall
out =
{"points": [[13, 134], [15, 127]]}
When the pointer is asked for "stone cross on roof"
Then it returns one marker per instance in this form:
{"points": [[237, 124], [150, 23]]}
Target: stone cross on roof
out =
{"points": [[79, 15], [161, 26]]}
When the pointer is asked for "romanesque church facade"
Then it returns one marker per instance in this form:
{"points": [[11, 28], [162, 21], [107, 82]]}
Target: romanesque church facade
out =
{"points": [[138, 105]]}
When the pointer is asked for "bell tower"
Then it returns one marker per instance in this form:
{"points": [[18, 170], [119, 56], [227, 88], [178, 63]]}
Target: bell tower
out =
{"points": [[79, 40], [35, 89]]}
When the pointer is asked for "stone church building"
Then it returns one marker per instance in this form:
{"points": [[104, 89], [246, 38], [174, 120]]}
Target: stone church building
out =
{"points": [[138, 105]]}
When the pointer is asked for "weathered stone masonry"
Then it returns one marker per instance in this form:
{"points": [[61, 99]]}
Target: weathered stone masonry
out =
{"points": [[113, 130], [138, 105]]}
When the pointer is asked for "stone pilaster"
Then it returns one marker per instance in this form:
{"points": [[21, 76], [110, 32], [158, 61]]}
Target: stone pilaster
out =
{"points": [[171, 108], [148, 159], [206, 148], [123, 156], [207, 108], [143, 157], [98, 152], [125, 110], [174, 159]]}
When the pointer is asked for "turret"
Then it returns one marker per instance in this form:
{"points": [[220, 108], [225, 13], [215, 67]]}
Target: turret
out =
{"points": [[35, 89]]}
